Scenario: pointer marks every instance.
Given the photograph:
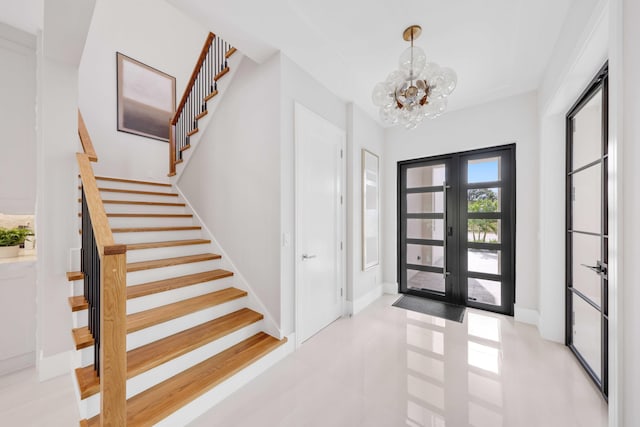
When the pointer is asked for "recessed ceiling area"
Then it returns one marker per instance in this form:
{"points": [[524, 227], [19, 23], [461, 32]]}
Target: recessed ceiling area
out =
{"points": [[498, 48]]}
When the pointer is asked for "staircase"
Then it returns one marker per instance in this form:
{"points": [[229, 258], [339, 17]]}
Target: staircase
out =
{"points": [[188, 328]]}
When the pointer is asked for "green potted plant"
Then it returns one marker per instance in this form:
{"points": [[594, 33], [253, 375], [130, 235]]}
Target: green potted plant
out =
{"points": [[11, 239]]}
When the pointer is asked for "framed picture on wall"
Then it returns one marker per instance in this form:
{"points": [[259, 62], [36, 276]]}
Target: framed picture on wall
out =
{"points": [[370, 210], [146, 99]]}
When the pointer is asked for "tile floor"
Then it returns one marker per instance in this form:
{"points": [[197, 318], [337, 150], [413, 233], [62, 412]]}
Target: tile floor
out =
{"points": [[386, 367]]}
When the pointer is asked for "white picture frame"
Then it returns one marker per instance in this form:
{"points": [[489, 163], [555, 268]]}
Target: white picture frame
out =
{"points": [[370, 210]]}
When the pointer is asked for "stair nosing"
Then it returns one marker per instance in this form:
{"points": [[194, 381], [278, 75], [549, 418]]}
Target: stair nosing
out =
{"points": [[154, 229], [166, 244]]}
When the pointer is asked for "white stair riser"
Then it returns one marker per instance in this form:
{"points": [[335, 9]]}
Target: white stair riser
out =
{"points": [[170, 252], [123, 222], [154, 274], [113, 195], [155, 236], [128, 208], [162, 330], [173, 367], [133, 186], [208, 400], [148, 302]]}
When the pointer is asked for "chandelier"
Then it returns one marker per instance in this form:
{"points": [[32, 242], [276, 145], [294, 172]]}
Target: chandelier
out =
{"points": [[417, 90]]}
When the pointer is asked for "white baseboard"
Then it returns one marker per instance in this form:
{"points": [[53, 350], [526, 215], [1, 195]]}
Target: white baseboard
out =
{"points": [[204, 403], [526, 315], [54, 366], [17, 363], [390, 288], [362, 302]]}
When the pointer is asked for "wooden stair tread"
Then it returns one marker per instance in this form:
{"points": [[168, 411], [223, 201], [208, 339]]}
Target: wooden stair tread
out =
{"points": [[186, 147], [149, 356], [168, 262], [75, 275], [144, 215], [148, 193], [193, 132], [221, 74], [167, 244], [149, 288], [132, 181], [155, 316], [152, 229], [211, 95], [78, 303], [82, 338], [156, 403], [230, 52], [201, 115], [135, 202]]}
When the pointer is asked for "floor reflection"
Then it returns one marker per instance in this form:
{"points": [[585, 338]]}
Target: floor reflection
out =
{"points": [[454, 375]]}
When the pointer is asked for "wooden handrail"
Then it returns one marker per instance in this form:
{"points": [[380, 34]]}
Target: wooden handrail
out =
{"points": [[99, 220], [194, 76], [85, 139], [113, 294]]}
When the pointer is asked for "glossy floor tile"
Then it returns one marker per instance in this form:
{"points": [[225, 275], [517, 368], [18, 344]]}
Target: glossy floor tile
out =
{"points": [[390, 367], [385, 367], [26, 402]]}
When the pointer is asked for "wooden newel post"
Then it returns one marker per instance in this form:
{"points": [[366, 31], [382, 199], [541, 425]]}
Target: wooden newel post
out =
{"points": [[172, 148], [113, 337]]}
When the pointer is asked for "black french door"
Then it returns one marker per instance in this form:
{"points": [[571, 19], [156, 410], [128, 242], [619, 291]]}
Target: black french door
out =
{"points": [[456, 228], [587, 244]]}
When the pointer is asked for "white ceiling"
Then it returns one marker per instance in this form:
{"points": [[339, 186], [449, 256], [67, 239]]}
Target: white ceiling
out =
{"points": [[497, 47], [23, 14]]}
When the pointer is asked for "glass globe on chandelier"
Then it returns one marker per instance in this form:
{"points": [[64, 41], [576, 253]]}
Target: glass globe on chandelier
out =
{"points": [[417, 90]]}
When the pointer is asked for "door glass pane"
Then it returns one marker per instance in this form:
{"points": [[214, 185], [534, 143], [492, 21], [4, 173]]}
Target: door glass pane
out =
{"points": [[429, 229], [586, 250], [425, 281], [587, 134], [484, 170], [425, 255], [484, 230], [587, 333], [483, 199], [587, 196], [425, 202], [484, 291], [425, 176], [484, 261]]}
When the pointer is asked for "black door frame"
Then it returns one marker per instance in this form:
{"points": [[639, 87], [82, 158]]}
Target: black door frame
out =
{"points": [[600, 81], [455, 290]]}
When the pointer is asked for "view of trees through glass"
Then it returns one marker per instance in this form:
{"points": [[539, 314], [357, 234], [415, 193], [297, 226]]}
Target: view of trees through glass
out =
{"points": [[483, 200]]}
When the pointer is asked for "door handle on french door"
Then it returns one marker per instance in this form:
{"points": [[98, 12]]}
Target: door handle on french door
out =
{"points": [[600, 268], [306, 257], [445, 230]]}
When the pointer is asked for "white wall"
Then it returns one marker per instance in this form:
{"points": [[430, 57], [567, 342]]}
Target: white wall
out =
{"points": [[580, 52], [297, 86], [17, 121], [233, 178], [56, 200], [510, 120], [362, 133], [154, 33], [630, 369]]}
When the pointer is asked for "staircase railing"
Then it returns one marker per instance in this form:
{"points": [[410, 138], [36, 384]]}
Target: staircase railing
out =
{"points": [[202, 86], [104, 268]]}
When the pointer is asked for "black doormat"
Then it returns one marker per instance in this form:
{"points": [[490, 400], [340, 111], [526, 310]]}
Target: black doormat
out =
{"points": [[431, 307]]}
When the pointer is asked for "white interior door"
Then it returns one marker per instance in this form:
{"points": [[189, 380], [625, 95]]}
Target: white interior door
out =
{"points": [[320, 171]]}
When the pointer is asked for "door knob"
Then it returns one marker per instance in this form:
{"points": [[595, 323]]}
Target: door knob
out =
{"points": [[306, 257]]}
